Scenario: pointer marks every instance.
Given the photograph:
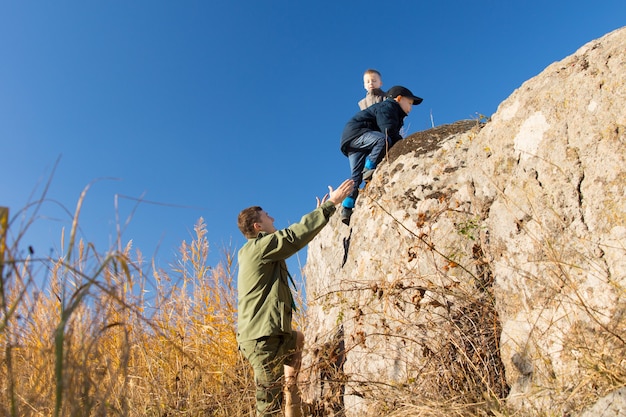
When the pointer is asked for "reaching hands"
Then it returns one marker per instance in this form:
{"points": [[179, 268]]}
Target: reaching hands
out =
{"points": [[344, 190], [337, 196]]}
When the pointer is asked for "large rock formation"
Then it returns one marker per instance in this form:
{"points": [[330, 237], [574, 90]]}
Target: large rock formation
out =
{"points": [[484, 267]]}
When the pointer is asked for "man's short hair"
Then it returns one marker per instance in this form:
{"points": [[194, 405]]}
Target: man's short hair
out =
{"points": [[246, 221]]}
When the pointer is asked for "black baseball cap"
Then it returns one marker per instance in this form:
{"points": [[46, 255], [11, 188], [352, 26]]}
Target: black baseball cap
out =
{"points": [[398, 90]]}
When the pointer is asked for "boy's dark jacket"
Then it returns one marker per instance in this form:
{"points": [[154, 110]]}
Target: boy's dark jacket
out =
{"points": [[387, 117]]}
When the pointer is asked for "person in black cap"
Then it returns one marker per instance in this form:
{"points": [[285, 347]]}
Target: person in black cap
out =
{"points": [[369, 134]]}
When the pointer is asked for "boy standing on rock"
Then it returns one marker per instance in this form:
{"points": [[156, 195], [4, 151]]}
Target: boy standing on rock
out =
{"points": [[369, 134], [372, 81]]}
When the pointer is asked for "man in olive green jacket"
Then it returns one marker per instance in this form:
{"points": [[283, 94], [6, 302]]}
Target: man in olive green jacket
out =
{"points": [[266, 303]]}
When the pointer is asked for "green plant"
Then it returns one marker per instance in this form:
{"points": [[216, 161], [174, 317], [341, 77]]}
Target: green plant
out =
{"points": [[469, 228]]}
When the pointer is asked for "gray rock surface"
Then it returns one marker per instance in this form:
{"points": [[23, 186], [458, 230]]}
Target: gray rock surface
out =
{"points": [[611, 405], [485, 262]]}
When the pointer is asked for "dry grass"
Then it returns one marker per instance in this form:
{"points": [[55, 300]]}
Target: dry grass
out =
{"points": [[98, 337]]}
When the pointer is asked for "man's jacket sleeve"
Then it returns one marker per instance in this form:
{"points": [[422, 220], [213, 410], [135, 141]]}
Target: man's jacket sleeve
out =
{"points": [[286, 242]]}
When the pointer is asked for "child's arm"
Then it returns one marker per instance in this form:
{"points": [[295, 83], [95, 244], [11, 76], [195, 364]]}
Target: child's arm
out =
{"points": [[390, 123]]}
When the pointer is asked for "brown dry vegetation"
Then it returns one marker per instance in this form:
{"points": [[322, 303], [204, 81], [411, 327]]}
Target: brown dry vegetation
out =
{"points": [[95, 339]]}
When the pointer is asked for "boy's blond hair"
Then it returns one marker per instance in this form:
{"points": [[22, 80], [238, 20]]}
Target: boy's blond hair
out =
{"points": [[372, 71]]}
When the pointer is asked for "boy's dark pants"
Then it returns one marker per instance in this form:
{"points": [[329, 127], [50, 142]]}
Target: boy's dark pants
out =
{"points": [[370, 145], [267, 356]]}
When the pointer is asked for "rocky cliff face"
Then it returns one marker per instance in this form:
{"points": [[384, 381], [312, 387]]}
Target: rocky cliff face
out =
{"points": [[485, 261]]}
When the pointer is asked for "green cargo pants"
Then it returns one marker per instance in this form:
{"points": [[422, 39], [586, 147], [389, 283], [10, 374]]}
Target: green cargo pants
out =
{"points": [[268, 356]]}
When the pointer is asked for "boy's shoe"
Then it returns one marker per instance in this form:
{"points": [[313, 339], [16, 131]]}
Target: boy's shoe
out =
{"points": [[367, 174], [346, 213]]}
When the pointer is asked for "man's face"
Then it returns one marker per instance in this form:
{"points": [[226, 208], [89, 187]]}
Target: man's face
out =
{"points": [[265, 223], [405, 103], [372, 81]]}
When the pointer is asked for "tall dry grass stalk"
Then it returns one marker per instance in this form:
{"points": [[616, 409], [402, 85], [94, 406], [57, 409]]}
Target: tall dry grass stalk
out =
{"points": [[95, 335]]}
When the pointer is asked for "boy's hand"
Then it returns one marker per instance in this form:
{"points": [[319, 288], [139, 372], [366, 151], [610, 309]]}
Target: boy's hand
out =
{"points": [[344, 190]]}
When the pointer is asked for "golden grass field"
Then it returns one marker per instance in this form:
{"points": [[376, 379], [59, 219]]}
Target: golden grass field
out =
{"points": [[93, 338]]}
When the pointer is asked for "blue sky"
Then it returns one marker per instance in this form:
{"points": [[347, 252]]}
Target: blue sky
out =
{"points": [[203, 108]]}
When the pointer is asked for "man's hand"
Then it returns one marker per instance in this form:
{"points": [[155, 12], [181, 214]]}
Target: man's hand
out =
{"points": [[322, 201], [344, 190]]}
